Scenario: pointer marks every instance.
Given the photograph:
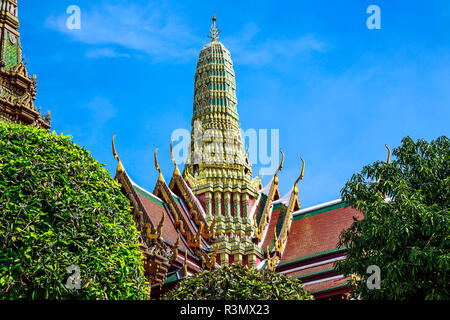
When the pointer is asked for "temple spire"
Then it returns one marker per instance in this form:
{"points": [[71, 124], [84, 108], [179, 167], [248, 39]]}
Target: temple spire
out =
{"points": [[18, 89], [214, 31], [217, 168]]}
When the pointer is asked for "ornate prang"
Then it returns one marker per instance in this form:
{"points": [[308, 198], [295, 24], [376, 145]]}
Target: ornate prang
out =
{"points": [[217, 167]]}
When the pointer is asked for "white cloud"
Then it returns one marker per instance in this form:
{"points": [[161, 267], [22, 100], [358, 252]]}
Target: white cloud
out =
{"points": [[105, 53], [246, 49], [161, 34], [101, 110], [151, 30]]}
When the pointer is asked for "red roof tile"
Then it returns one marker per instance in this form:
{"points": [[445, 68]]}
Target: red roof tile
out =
{"points": [[326, 284], [155, 212], [273, 221], [317, 231]]}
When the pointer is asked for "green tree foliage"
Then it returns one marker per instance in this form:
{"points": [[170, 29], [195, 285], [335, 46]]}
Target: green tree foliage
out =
{"points": [[237, 282], [60, 208], [407, 234]]}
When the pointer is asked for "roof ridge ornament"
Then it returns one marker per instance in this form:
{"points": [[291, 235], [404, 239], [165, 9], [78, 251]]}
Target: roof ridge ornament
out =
{"points": [[275, 176], [120, 168], [176, 170], [160, 178], [301, 176], [214, 32], [388, 161]]}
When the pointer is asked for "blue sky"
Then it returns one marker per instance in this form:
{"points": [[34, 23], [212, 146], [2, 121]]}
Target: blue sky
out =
{"points": [[336, 90]]}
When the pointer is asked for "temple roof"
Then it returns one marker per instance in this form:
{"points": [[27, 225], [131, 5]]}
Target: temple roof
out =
{"points": [[255, 225], [315, 230]]}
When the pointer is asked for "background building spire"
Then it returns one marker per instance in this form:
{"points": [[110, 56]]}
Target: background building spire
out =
{"points": [[18, 89]]}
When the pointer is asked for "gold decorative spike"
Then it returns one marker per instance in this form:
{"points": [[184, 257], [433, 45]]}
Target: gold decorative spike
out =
{"points": [[214, 32], [160, 225], [282, 161], [175, 250], [193, 240], [269, 260], [279, 168], [176, 172], [120, 168], [185, 264], [277, 242], [300, 177], [200, 231], [181, 227], [212, 258], [272, 262], [150, 234], [160, 178], [208, 233], [155, 234], [389, 154]]}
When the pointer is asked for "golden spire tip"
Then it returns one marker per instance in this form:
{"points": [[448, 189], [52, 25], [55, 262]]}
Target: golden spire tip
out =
{"points": [[214, 31]]}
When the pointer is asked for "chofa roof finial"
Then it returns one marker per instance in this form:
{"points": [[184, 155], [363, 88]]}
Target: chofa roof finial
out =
{"points": [[160, 178], [176, 171], [120, 168], [389, 154], [300, 177], [279, 168]]}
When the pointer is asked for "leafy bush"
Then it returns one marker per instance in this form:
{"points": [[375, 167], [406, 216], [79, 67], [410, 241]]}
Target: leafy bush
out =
{"points": [[237, 282], [407, 234], [62, 217]]}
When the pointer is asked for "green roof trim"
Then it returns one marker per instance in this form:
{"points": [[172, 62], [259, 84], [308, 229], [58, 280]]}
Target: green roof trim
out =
{"points": [[261, 209], [148, 195], [177, 199], [152, 197], [342, 286], [318, 254], [277, 206], [264, 266], [279, 224], [281, 219], [306, 275], [171, 278], [319, 211]]}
